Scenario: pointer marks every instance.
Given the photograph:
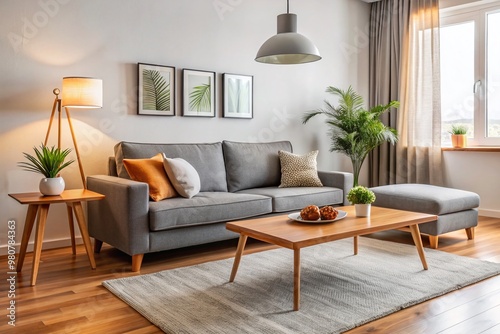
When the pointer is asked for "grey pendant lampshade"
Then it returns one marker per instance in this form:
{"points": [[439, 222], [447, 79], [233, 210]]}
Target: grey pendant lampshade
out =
{"points": [[288, 46]]}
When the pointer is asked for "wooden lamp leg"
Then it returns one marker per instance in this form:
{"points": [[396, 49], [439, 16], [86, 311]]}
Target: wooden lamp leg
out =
{"points": [[80, 166], [56, 104]]}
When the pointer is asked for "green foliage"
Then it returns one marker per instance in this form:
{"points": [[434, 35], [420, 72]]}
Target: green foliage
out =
{"points": [[355, 131], [199, 98], [459, 129], [156, 91], [46, 161], [360, 195]]}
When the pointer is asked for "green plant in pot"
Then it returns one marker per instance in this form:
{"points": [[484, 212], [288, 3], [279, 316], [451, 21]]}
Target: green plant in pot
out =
{"points": [[49, 162], [459, 135], [362, 198], [355, 131]]}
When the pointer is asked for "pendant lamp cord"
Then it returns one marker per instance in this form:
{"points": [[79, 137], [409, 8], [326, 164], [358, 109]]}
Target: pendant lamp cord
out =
{"points": [[288, 6]]}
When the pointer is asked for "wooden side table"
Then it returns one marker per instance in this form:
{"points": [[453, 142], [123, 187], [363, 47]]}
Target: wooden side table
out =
{"points": [[39, 206]]}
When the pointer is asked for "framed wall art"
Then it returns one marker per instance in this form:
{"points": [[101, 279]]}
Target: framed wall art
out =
{"points": [[156, 90], [238, 95], [198, 93]]}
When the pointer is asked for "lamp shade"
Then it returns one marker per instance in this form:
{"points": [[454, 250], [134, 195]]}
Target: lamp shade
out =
{"points": [[81, 92], [288, 46]]}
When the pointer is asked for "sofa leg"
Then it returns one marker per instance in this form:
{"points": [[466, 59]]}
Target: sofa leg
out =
{"points": [[470, 233], [433, 240], [97, 246], [137, 262]]}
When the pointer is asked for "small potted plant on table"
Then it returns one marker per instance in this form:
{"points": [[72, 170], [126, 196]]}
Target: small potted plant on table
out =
{"points": [[49, 162], [362, 198], [459, 135]]}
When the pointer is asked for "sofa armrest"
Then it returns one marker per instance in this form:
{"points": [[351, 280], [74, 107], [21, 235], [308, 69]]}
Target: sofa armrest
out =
{"points": [[121, 218], [341, 180]]}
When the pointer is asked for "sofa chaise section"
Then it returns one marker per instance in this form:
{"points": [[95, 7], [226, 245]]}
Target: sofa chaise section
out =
{"points": [[455, 209]]}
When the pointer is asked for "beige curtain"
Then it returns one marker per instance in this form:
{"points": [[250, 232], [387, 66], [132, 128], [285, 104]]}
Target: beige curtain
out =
{"points": [[404, 66]]}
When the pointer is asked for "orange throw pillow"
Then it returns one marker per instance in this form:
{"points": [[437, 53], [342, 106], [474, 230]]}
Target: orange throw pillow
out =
{"points": [[151, 171]]}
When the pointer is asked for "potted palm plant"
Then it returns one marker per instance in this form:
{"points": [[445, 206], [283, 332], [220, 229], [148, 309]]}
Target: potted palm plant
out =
{"points": [[49, 162], [354, 130], [459, 135], [362, 198]]}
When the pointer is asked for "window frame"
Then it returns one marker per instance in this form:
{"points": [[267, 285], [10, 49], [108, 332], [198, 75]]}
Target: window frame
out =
{"points": [[478, 15]]}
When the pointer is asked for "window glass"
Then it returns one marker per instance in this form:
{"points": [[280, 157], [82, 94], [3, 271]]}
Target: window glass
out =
{"points": [[493, 75], [457, 78]]}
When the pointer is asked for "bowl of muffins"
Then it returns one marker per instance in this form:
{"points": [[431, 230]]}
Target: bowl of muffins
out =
{"points": [[315, 214]]}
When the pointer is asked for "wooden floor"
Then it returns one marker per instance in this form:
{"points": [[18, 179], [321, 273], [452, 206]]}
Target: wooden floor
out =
{"points": [[69, 298]]}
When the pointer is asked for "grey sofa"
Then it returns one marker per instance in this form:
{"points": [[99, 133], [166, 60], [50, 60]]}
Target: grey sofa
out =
{"points": [[238, 181]]}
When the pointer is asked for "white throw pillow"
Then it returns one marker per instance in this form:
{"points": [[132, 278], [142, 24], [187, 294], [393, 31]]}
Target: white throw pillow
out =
{"points": [[183, 176], [299, 170]]}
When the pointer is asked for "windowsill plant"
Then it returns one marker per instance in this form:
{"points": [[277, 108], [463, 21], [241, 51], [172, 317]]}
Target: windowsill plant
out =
{"points": [[459, 135]]}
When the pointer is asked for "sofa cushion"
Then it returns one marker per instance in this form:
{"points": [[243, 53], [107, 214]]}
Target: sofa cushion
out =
{"points": [[151, 171], [299, 170], [183, 176], [253, 165], [425, 198], [207, 159], [289, 199], [206, 208]]}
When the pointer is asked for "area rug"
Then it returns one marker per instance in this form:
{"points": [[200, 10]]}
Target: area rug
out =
{"points": [[339, 290]]}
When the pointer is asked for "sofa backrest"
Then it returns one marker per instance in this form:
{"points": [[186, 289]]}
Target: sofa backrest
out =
{"points": [[207, 159], [253, 165]]}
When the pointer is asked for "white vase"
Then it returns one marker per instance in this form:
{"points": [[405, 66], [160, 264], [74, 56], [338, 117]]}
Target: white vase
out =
{"points": [[51, 186], [362, 210]]}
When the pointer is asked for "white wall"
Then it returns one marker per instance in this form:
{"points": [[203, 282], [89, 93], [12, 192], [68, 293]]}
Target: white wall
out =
{"points": [[477, 172], [45, 40]]}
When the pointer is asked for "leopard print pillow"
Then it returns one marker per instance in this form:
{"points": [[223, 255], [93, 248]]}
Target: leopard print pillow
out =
{"points": [[299, 170]]}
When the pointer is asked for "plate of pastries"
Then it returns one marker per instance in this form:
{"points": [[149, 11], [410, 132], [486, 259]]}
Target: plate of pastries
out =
{"points": [[314, 214]]}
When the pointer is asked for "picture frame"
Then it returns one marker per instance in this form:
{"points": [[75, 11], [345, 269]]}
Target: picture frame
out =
{"points": [[156, 90], [237, 95], [198, 93]]}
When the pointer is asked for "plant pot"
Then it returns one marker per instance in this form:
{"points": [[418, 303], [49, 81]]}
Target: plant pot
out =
{"points": [[459, 141], [362, 210], [51, 186]]}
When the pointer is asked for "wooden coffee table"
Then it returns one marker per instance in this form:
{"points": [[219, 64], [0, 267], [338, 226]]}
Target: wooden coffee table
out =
{"points": [[284, 232]]}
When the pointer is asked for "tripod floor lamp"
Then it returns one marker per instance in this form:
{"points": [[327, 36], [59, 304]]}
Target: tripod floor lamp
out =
{"points": [[77, 92]]}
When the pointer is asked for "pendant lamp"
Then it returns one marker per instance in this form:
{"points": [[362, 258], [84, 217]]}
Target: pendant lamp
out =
{"points": [[288, 46]]}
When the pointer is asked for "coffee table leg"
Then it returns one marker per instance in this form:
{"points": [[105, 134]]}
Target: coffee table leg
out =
{"points": [[296, 279], [356, 239], [239, 252], [417, 239]]}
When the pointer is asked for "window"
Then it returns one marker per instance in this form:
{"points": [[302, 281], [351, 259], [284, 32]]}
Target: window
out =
{"points": [[470, 73]]}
